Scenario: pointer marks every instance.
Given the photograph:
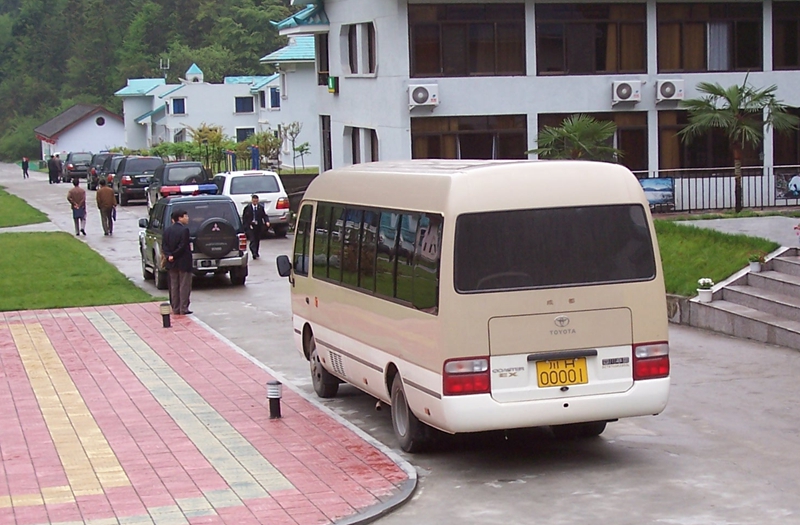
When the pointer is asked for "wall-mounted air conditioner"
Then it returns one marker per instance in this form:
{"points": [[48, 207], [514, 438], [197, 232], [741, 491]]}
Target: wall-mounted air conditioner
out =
{"points": [[669, 90], [626, 91], [423, 95]]}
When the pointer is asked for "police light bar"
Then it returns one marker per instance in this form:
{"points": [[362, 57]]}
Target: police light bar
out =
{"points": [[189, 189]]}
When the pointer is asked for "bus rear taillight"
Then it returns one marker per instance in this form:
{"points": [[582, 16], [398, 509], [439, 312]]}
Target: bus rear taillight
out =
{"points": [[466, 376], [650, 360]]}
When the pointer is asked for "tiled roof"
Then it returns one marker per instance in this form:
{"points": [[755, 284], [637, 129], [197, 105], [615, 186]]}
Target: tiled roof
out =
{"points": [[194, 70], [170, 91], [312, 15], [300, 49], [244, 80], [69, 118], [161, 108], [140, 86], [267, 80]]}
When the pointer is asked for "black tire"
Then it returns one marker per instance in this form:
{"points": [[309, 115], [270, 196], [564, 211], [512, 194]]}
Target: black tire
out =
{"points": [[326, 385], [123, 199], [147, 274], [413, 434], [161, 277], [578, 430], [281, 230], [216, 238], [238, 276]]}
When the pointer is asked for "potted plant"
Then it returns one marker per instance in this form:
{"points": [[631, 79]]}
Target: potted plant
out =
{"points": [[704, 285], [756, 259]]}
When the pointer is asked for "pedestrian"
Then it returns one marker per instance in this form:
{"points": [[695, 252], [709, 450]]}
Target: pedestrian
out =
{"points": [[106, 203], [60, 164], [256, 221], [77, 198], [25, 165], [52, 169], [177, 250]]}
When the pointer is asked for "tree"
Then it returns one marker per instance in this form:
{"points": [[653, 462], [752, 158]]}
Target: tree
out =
{"points": [[291, 131], [578, 137], [742, 113]]}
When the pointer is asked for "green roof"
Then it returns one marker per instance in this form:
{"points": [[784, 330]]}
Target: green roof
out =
{"points": [[312, 15], [171, 91], [159, 109], [266, 80], [300, 49], [140, 86], [194, 70]]}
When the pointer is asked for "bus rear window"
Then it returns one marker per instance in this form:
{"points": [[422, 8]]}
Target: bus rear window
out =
{"points": [[542, 248]]}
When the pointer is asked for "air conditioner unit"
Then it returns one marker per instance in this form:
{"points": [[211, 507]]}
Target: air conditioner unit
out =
{"points": [[626, 91], [423, 95], [669, 90]]}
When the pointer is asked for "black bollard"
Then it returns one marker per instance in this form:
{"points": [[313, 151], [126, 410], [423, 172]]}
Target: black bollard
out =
{"points": [[274, 396], [166, 309]]}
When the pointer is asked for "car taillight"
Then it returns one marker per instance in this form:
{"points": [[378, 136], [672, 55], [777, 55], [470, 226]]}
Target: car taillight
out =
{"points": [[242, 242], [126, 180], [94, 171], [466, 376], [283, 204], [650, 360], [70, 166]]}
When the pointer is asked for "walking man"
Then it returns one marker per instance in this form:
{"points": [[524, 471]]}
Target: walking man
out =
{"points": [[77, 198], [25, 165], [52, 169], [106, 202], [178, 253], [256, 221]]}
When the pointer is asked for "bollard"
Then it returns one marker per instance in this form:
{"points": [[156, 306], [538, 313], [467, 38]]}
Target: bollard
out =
{"points": [[166, 309], [274, 396]]}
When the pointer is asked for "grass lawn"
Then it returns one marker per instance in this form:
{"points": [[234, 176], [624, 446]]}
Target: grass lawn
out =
{"points": [[689, 253], [16, 212], [55, 270]]}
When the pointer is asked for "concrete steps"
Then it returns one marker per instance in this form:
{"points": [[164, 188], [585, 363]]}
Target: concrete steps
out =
{"points": [[763, 306]]}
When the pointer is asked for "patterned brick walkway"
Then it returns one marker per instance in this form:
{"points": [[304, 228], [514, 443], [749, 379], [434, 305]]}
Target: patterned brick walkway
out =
{"points": [[108, 418]]}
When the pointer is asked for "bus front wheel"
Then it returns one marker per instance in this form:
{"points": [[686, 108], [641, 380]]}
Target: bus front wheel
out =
{"points": [[412, 433], [325, 384]]}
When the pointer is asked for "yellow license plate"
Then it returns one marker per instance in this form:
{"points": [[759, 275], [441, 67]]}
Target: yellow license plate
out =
{"points": [[561, 372]]}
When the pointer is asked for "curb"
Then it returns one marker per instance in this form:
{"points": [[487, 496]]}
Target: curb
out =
{"points": [[374, 512]]}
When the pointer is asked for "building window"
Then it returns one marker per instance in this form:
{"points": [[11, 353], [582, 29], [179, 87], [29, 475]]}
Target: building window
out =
{"points": [[360, 48], [370, 48], [243, 133], [327, 158], [274, 98], [483, 137], [323, 59], [460, 40], [178, 106], [786, 35], [100, 121], [355, 144], [630, 138], [709, 37], [244, 104], [352, 48], [262, 99], [711, 150], [574, 39], [179, 136], [786, 145], [373, 144]]}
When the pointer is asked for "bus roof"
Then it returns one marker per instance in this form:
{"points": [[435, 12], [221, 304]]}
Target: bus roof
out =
{"points": [[474, 185]]}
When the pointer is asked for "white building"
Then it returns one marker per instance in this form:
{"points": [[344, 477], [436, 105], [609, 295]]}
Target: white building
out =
{"points": [[83, 127], [489, 75]]}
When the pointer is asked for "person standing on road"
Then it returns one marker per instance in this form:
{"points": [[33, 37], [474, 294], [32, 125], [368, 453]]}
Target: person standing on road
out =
{"points": [[77, 198], [256, 221], [60, 164], [176, 247], [25, 165], [106, 202], [52, 169]]}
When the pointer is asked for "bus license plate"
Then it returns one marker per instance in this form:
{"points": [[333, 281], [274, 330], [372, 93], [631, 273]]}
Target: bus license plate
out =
{"points": [[561, 372]]}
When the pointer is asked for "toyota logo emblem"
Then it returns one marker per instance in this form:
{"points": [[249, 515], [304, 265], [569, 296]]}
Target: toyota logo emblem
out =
{"points": [[215, 228], [561, 321]]}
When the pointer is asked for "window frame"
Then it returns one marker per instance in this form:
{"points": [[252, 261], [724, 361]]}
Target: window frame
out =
{"points": [[323, 58], [782, 13], [237, 100], [238, 129], [175, 112]]}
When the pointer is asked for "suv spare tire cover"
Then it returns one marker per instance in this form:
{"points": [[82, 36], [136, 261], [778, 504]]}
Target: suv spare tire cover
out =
{"points": [[216, 237]]}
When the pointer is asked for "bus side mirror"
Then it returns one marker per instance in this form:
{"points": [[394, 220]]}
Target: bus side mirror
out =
{"points": [[284, 266]]}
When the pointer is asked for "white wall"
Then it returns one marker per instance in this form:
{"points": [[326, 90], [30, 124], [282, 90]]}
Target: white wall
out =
{"points": [[136, 135], [87, 135], [297, 105]]}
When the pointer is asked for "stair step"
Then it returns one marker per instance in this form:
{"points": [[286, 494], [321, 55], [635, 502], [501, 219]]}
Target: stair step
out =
{"points": [[775, 281], [742, 321], [788, 264], [779, 304]]}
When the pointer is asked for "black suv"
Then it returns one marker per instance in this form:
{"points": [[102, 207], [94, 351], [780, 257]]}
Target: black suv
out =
{"points": [[168, 179], [76, 165], [219, 244], [96, 167], [109, 168], [133, 177]]}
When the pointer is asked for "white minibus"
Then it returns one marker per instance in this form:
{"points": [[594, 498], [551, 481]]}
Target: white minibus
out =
{"points": [[482, 295]]}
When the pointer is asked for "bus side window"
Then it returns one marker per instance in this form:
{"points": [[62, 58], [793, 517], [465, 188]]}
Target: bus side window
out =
{"points": [[406, 247], [301, 239], [369, 238], [426, 263], [336, 243], [321, 238], [352, 231], [387, 252]]}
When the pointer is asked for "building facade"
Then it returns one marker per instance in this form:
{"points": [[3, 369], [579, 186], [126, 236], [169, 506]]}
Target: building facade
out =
{"points": [[83, 127]]}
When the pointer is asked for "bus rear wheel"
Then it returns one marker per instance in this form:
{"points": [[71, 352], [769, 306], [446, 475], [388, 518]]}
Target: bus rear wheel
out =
{"points": [[326, 385], [413, 434], [579, 430]]}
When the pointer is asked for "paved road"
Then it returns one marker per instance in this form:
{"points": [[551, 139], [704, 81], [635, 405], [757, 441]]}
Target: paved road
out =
{"points": [[723, 452]]}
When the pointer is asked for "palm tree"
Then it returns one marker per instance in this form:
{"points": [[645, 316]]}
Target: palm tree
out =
{"points": [[742, 113], [578, 137]]}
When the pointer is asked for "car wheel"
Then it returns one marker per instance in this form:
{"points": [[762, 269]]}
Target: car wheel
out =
{"points": [[238, 276], [281, 230], [146, 273], [161, 277], [123, 199], [578, 430], [326, 385], [413, 434]]}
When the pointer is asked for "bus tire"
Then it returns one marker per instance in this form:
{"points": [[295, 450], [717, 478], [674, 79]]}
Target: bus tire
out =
{"points": [[326, 385], [412, 433], [579, 430]]}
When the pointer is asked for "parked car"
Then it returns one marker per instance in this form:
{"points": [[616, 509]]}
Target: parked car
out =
{"points": [[109, 168], [241, 185], [76, 165], [179, 178], [96, 167], [133, 177], [219, 244]]}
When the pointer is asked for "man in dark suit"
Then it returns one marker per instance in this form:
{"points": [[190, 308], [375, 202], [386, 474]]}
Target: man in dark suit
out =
{"points": [[256, 221], [52, 169], [176, 247]]}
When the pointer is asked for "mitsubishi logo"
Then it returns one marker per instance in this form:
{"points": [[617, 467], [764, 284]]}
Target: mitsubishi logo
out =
{"points": [[215, 228], [561, 321]]}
